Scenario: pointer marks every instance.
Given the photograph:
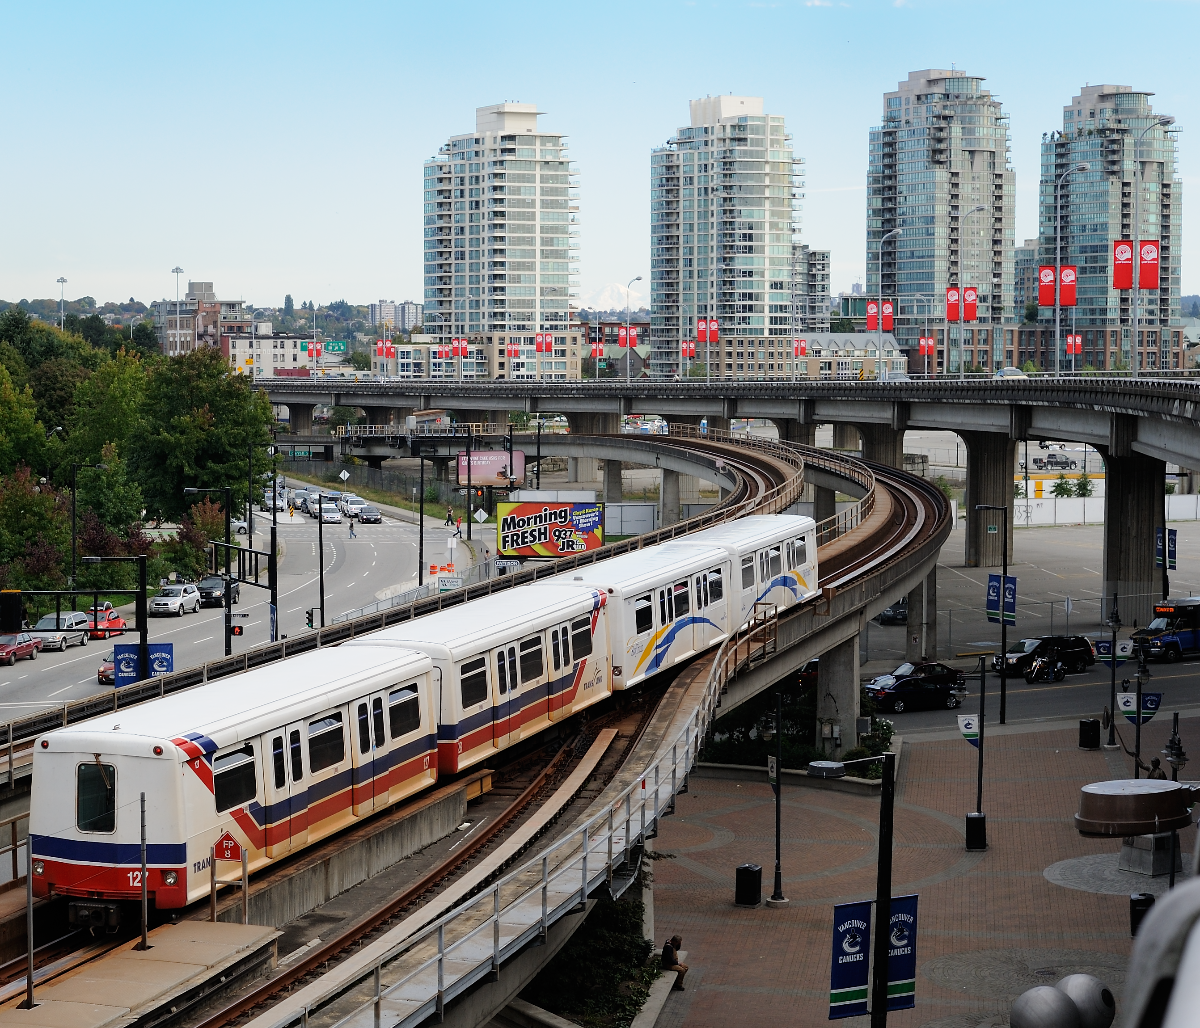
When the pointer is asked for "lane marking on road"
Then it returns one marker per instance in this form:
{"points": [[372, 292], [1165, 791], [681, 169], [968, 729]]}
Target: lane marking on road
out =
{"points": [[293, 610], [53, 694], [82, 681], [350, 586], [207, 638]]}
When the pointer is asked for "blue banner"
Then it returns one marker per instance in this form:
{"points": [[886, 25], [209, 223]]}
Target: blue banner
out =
{"points": [[162, 659], [968, 724], [849, 981], [1104, 651], [1172, 541], [1159, 548], [125, 664], [1127, 705], [993, 599], [1009, 602], [902, 954]]}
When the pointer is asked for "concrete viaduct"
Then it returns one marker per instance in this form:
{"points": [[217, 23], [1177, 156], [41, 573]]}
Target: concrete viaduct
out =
{"points": [[1138, 425]]}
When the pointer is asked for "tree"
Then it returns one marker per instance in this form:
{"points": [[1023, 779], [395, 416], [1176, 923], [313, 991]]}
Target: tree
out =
{"points": [[22, 438], [1195, 309], [1083, 485], [289, 307], [1063, 486], [53, 383], [360, 361], [109, 494], [343, 416], [35, 533], [1031, 312], [106, 408], [198, 426], [845, 325]]}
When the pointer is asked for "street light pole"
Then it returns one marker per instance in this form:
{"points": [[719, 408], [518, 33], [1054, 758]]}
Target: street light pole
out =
{"points": [[1163, 122], [176, 271], [963, 290], [777, 898], [1114, 622], [1003, 623], [62, 303], [1058, 262], [628, 345]]}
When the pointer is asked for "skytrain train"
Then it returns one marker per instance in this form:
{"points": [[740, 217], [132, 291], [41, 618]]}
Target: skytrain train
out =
{"points": [[284, 755]]}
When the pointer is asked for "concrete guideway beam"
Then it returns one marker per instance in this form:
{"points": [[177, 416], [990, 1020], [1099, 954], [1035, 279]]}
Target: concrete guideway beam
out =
{"points": [[838, 696], [300, 418], [990, 465], [669, 507], [920, 642], [1134, 506], [845, 436], [883, 445], [642, 450]]}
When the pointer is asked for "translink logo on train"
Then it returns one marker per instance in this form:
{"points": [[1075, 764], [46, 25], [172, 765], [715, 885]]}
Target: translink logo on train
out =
{"points": [[284, 755]]}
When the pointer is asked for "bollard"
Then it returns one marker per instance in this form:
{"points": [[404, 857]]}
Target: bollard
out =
{"points": [[1139, 906]]}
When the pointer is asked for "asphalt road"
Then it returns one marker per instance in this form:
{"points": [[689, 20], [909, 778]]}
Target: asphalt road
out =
{"points": [[382, 560]]}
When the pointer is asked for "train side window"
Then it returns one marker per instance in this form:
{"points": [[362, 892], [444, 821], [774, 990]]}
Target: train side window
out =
{"points": [[377, 720], [762, 566], [297, 756], [364, 729], [716, 588], [789, 553], [682, 603], [663, 616], [748, 571], [501, 677], [96, 798], [699, 592], [473, 679], [643, 614], [326, 742], [775, 562], [512, 669], [531, 659], [800, 552], [235, 782], [404, 711], [554, 648], [581, 636], [277, 761], [564, 642], [705, 580]]}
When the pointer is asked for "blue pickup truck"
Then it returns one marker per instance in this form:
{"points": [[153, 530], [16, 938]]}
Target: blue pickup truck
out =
{"points": [[1174, 631]]}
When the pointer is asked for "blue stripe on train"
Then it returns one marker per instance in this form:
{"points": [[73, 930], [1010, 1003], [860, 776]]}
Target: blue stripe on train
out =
{"points": [[86, 851], [449, 733]]}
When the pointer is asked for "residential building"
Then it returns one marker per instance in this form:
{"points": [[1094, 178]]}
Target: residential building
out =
{"points": [[1100, 128], [262, 353], [940, 152], [606, 331], [199, 319], [418, 358], [725, 243], [810, 289], [383, 314], [501, 242], [842, 355], [1025, 277], [409, 314]]}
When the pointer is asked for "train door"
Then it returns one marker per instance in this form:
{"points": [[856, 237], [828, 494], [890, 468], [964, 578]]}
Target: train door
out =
{"points": [[683, 639], [326, 752], [369, 774], [531, 663], [297, 789], [564, 670], [406, 740], [277, 828], [507, 702], [639, 619], [666, 618], [746, 591]]}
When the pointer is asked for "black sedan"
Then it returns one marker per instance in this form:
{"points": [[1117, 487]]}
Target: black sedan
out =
{"points": [[896, 614], [370, 516], [918, 687], [212, 591]]}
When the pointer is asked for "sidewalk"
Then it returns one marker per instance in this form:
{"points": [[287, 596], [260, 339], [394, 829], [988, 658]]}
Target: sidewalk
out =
{"points": [[991, 925]]}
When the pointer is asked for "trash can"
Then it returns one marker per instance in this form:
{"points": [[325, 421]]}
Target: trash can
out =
{"points": [[1139, 906], [1089, 734], [747, 890]]}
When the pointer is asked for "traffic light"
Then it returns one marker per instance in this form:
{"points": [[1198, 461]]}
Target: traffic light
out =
{"points": [[236, 629], [311, 616]]}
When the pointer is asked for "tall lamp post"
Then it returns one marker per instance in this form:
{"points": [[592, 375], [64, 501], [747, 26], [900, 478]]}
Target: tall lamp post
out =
{"points": [[628, 347], [777, 898], [1114, 622], [1003, 587], [963, 299], [74, 475], [1163, 122], [62, 302], [890, 235], [1058, 260], [228, 491], [177, 271], [926, 301]]}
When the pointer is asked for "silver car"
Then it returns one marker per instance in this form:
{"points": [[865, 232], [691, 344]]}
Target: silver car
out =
{"points": [[330, 515], [352, 505], [70, 628], [175, 599]]}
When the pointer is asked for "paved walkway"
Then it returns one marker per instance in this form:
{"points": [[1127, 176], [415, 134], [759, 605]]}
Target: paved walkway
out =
{"points": [[991, 924]]}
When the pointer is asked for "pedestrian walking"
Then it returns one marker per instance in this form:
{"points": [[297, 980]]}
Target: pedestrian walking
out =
{"points": [[670, 961], [353, 534], [458, 528], [449, 514]]}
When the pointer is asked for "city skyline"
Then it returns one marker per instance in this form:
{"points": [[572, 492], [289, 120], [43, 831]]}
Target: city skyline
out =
{"points": [[332, 199]]}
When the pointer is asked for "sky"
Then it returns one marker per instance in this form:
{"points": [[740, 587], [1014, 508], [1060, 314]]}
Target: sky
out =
{"points": [[277, 148]]}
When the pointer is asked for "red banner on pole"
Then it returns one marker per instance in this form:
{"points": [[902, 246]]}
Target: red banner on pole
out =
{"points": [[1067, 278], [692, 348], [888, 310], [633, 335], [389, 351], [1122, 264], [702, 329], [622, 337], [970, 303], [1148, 264], [379, 348], [952, 304], [872, 315], [1046, 285], [799, 348], [712, 330]]}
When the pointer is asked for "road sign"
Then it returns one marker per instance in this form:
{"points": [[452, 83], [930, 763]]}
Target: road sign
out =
{"points": [[228, 848], [502, 563], [481, 515], [236, 615], [344, 475], [446, 583]]}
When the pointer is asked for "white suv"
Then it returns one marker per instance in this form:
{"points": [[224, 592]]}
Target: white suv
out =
{"points": [[351, 505], [176, 599]]}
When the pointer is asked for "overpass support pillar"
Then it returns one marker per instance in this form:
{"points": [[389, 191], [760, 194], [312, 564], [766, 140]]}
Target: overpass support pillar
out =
{"points": [[837, 696], [883, 445], [990, 458], [377, 415], [1134, 506], [792, 431], [400, 416], [921, 637], [594, 423], [300, 415], [668, 498], [845, 437], [824, 504], [612, 481]]}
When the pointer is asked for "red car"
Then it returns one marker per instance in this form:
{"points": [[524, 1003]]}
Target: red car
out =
{"points": [[106, 673], [21, 644], [105, 623]]}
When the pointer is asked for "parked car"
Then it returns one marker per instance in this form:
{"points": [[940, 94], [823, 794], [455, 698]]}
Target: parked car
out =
{"points": [[918, 687], [1075, 651], [57, 632], [106, 623], [351, 505], [370, 516], [1009, 372], [106, 673], [19, 644], [212, 591], [896, 614], [102, 605], [175, 599], [1056, 461]]}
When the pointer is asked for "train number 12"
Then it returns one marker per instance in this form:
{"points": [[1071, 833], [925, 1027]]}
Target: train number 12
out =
{"points": [[135, 879]]}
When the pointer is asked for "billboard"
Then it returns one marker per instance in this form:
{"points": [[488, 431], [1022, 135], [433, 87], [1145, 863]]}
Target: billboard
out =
{"points": [[490, 467], [549, 529]]}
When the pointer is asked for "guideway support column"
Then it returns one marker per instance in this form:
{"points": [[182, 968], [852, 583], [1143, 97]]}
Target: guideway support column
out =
{"points": [[668, 496], [883, 445], [1134, 506], [845, 437], [612, 481], [990, 461], [824, 504], [921, 634], [837, 697], [300, 418]]}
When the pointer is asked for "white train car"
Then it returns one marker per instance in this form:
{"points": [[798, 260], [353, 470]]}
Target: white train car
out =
{"points": [[277, 764], [509, 665], [774, 558]]}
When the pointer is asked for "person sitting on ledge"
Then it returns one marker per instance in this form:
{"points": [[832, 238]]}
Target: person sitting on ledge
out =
{"points": [[670, 961]]}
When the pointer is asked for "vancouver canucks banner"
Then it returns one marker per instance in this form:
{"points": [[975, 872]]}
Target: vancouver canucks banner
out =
{"points": [[849, 980], [1104, 650], [1127, 705], [902, 954], [968, 724], [995, 602]]}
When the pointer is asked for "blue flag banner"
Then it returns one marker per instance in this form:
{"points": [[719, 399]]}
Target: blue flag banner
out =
{"points": [[1002, 598], [1104, 651], [162, 659], [126, 663], [849, 981], [1010, 600], [902, 954], [993, 599], [1127, 705], [1159, 548], [1172, 545], [968, 724]]}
